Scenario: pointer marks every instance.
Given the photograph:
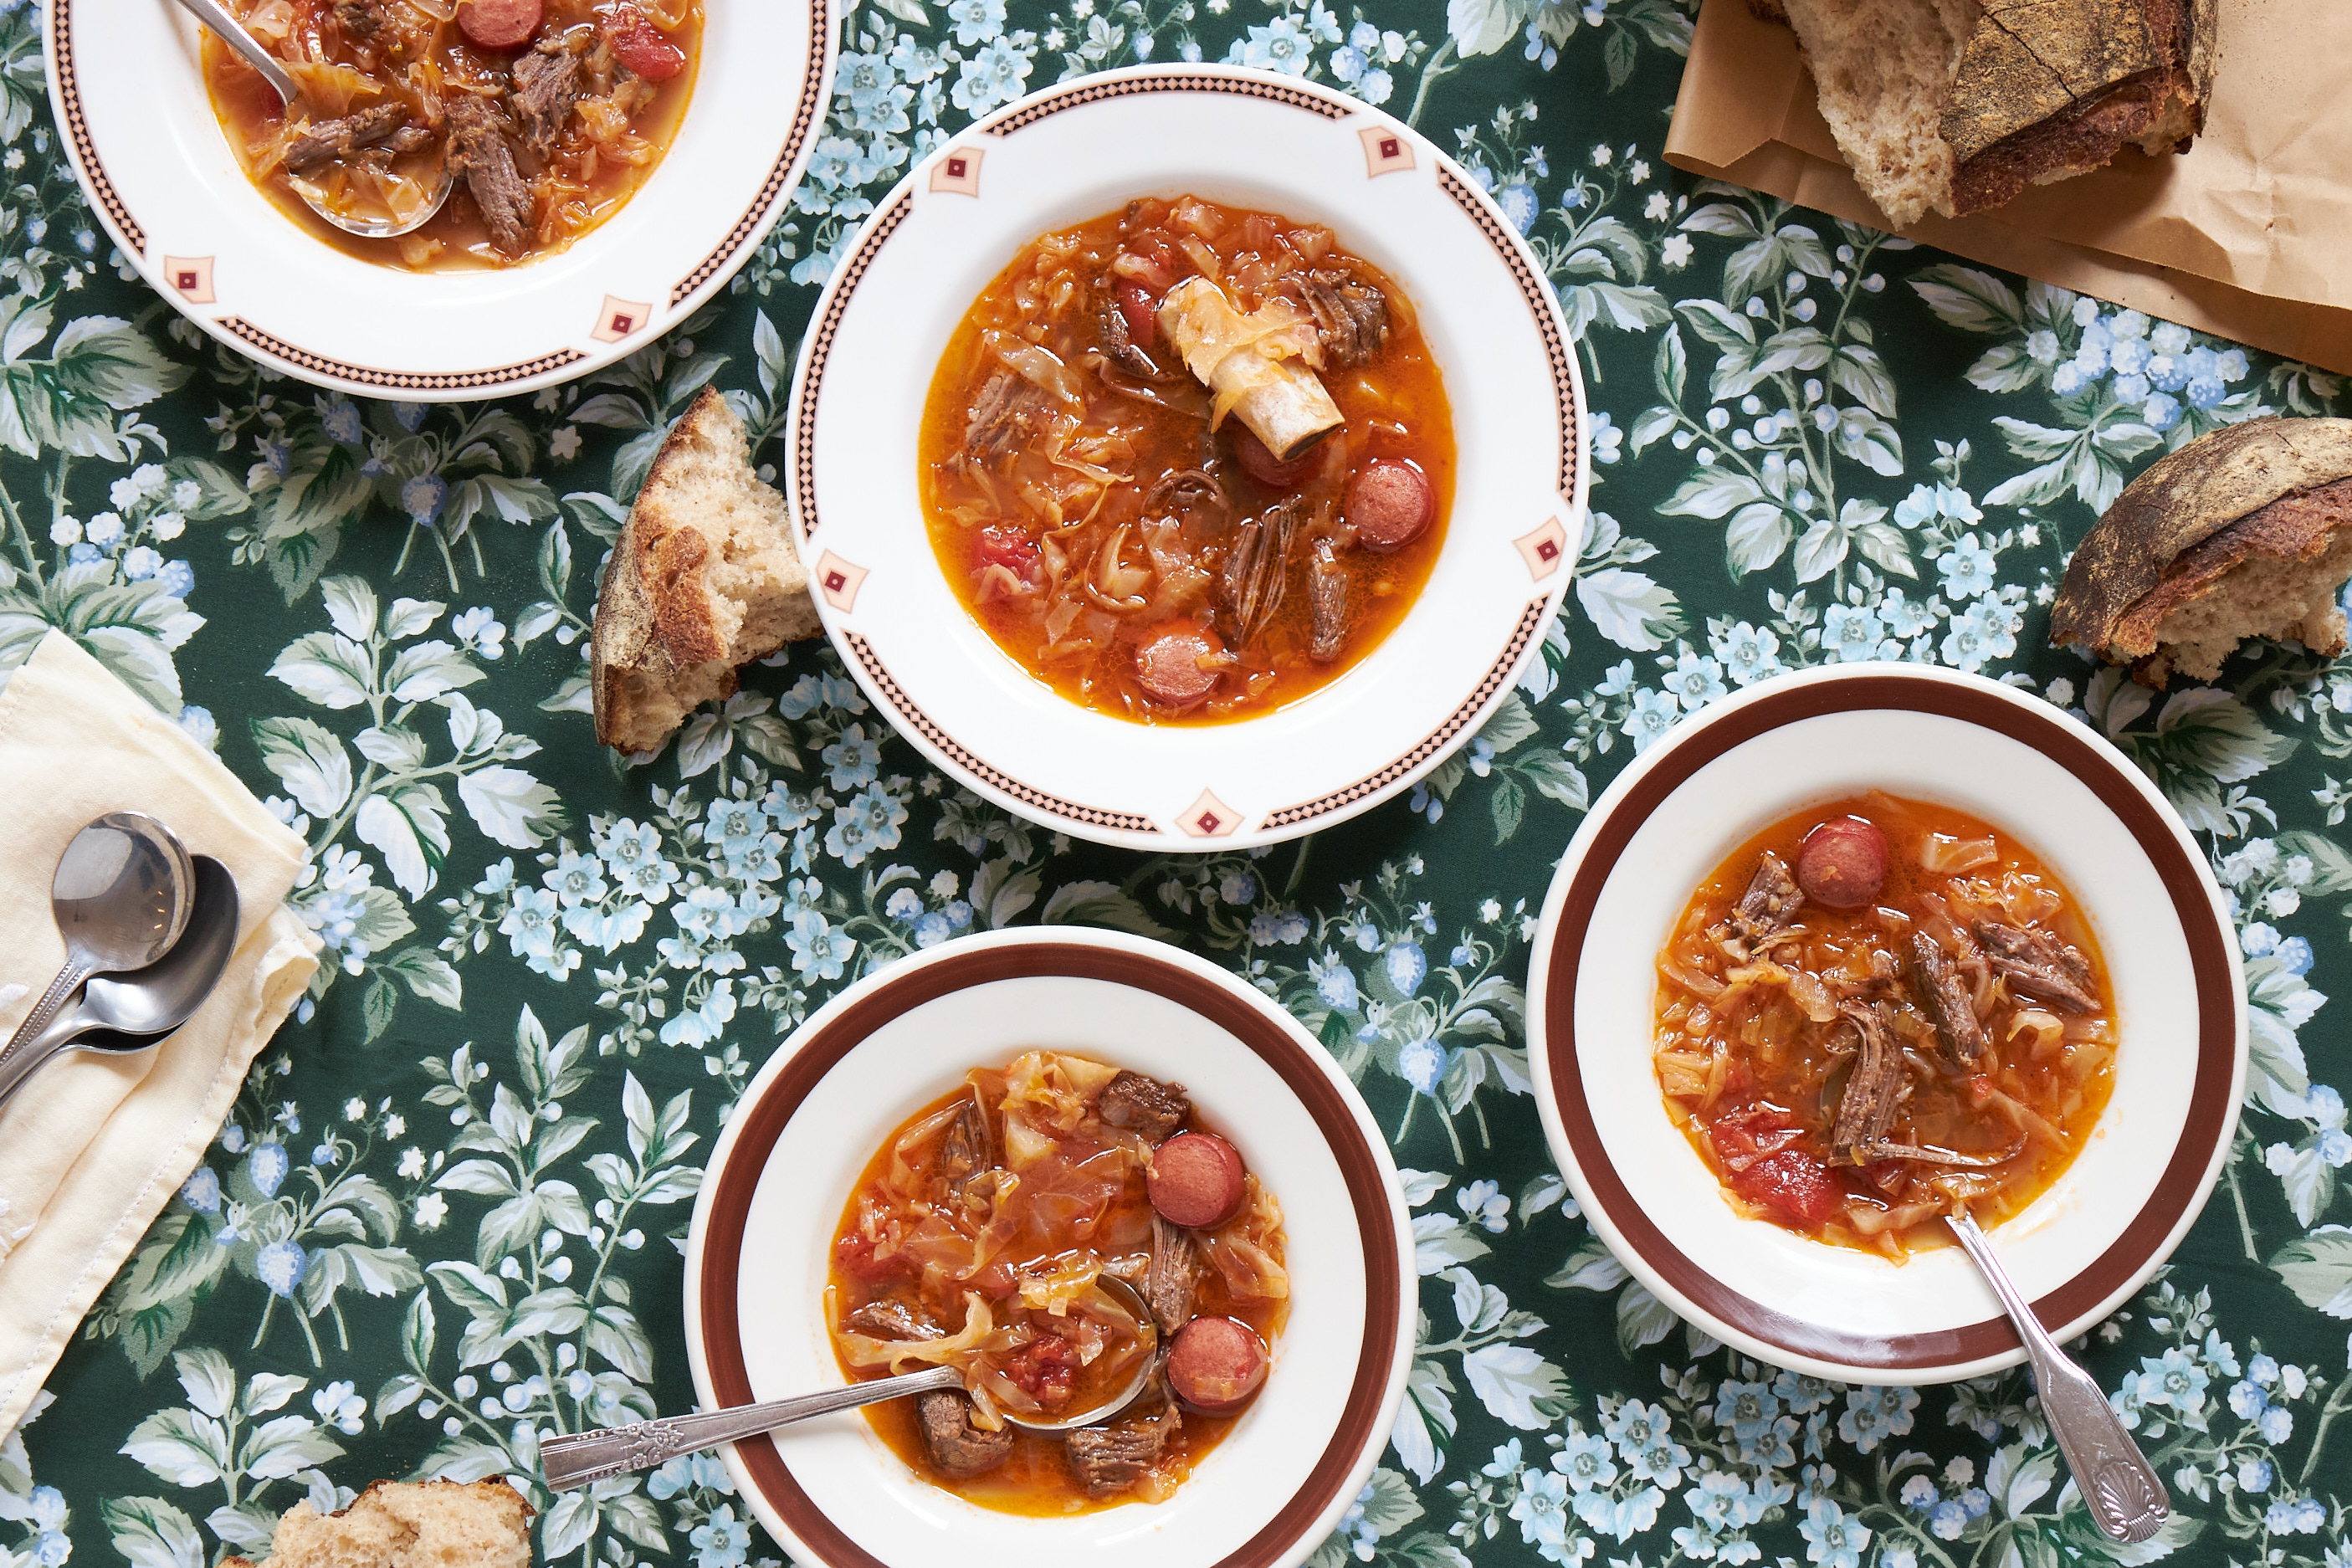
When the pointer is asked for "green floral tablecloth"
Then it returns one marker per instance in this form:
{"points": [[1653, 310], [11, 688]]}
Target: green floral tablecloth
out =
{"points": [[445, 1215]]}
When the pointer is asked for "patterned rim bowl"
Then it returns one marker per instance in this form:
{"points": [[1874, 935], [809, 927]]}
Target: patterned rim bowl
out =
{"points": [[2077, 1251], [1085, 148], [157, 169], [782, 1173]]}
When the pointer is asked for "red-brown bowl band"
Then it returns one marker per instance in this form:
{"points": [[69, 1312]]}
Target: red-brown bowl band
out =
{"points": [[763, 1122], [2055, 737]]}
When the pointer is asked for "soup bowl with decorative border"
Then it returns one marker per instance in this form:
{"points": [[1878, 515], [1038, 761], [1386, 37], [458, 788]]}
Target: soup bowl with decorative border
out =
{"points": [[1072, 152], [127, 87], [2086, 1243], [782, 1173]]}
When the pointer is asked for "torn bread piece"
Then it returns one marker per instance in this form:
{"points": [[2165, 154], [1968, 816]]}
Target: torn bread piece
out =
{"points": [[704, 579], [408, 1524], [2246, 533], [1955, 106]]}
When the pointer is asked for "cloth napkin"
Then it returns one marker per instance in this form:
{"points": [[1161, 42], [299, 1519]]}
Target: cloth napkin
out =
{"points": [[93, 1145]]}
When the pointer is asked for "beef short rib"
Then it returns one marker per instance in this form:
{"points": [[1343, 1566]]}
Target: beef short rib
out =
{"points": [[1008, 411], [479, 151], [324, 141], [1351, 317], [1144, 1106], [1873, 1087], [890, 1319], [545, 88], [956, 1448], [1110, 1459], [2039, 964], [1945, 993]]}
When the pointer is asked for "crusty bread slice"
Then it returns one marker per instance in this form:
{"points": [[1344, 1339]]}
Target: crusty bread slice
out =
{"points": [[704, 579], [405, 1524], [2243, 532], [2047, 90], [1954, 106]]}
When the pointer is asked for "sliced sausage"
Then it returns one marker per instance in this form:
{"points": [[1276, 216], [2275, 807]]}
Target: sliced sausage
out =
{"points": [[1195, 1179], [642, 47], [1216, 1364], [1169, 666], [1274, 473], [500, 24], [1142, 313], [1390, 503], [1842, 864]]}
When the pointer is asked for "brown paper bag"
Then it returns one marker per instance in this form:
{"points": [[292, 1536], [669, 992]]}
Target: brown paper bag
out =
{"points": [[2245, 235]]}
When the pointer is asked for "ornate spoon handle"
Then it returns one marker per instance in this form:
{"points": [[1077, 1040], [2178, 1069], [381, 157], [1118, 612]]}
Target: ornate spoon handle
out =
{"points": [[582, 1457], [2119, 1485]]}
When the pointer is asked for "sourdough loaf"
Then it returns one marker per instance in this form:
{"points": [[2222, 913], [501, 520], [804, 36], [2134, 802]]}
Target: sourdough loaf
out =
{"points": [[408, 1524], [1955, 106], [2244, 532], [704, 579]]}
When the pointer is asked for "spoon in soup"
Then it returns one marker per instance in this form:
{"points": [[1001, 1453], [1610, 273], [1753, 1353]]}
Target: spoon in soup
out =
{"points": [[231, 31], [580, 1458], [2117, 1483]]}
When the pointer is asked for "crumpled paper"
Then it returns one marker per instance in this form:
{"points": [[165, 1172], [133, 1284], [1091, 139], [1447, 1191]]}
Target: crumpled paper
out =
{"points": [[2242, 237]]}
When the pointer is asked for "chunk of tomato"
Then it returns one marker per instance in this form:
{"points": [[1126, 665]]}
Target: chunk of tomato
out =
{"points": [[862, 1259], [1143, 316], [1011, 547], [641, 46], [1044, 1369], [1791, 1183], [1740, 1141]]}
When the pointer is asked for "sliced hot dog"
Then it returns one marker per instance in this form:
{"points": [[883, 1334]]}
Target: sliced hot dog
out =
{"points": [[641, 46], [1389, 503], [1195, 1179], [500, 24], [1216, 1364], [1168, 665], [1266, 468]]}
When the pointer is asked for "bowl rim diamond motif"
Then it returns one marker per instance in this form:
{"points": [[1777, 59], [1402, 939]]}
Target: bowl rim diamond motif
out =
{"points": [[784, 1167], [156, 168], [1073, 152], [2079, 1250]]}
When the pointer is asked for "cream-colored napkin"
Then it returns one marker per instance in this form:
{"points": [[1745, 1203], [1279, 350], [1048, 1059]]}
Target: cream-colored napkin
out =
{"points": [[93, 1145]]}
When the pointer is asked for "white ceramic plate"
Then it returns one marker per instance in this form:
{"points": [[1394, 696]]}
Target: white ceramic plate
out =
{"points": [[1075, 152], [2077, 1251], [130, 100], [783, 1170]]}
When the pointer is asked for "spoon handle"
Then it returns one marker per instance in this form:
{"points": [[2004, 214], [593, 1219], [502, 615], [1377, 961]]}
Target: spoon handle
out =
{"points": [[2125, 1498], [230, 31], [60, 991], [579, 1458]]}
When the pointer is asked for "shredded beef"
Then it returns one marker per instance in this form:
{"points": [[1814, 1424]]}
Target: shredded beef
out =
{"points": [[1111, 1459], [1351, 317], [956, 1448], [1144, 1105], [479, 151], [1769, 907], [2037, 963], [965, 1147], [1874, 1086], [1008, 411], [327, 140], [1945, 993], [889, 1320], [546, 85], [1173, 1277], [1326, 601], [359, 18]]}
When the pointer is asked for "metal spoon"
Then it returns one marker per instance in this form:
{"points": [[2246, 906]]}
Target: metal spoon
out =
{"points": [[579, 1458], [121, 897], [231, 31], [131, 1011], [2125, 1498]]}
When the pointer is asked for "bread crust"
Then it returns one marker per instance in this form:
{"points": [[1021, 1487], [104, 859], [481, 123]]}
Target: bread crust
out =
{"points": [[2194, 515], [2048, 89], [658, 646], [495, 1492]]}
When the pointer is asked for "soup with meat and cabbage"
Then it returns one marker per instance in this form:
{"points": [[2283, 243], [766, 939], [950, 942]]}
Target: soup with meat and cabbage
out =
{"points": [[980, 1237], [1187, 462], [549, 114], [1879, 1011]]}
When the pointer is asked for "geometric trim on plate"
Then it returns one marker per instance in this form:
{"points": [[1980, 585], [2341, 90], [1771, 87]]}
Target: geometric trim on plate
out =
{"points": [[70, 90], [958, 175], [916, 719], [192, 275], [838, 581], [1531, 620], [821, 335], [397, 380], [1544, 549], [804, 121], [1209, 817], [1570, 437], [1385, 152], [617, 319], [1083, 93]]}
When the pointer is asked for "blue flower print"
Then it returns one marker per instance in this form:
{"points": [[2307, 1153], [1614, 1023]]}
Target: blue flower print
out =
{"points": [[722, 1542], [997, 74], [342, 423], [2302, 1516], [1588, 1462], [818, 950], [1748, 655], [932, 930], [1919, 1492], [1948, 1519], [1541, 1513], [1748, 1409], [1832, 1539], [1518, 203], [202, 1190], [423, 497], [1422, 1063], [1335, 983], [1645, 1441], [1967, 570], [1849, 634], [976, 20], [734, 825], [1874, 1415], [577, 878], [1652, 715], [852, 760], [267, 1166], [176, 578], [1276, 930]]}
